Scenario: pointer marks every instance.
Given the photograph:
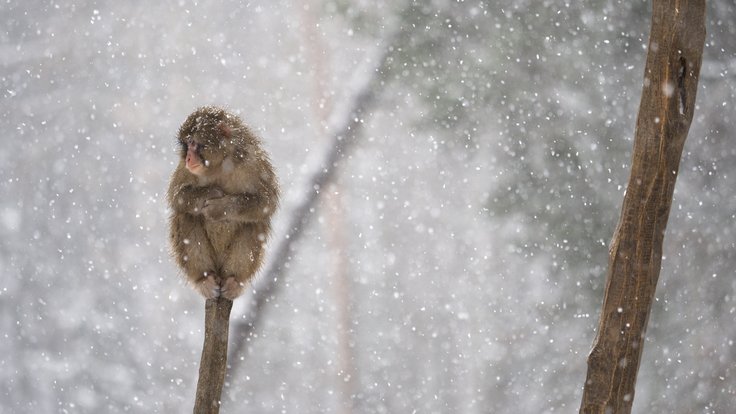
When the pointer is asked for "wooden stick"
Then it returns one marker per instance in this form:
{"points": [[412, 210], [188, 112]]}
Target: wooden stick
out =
{"points": [[213, 364], [665, 113]]}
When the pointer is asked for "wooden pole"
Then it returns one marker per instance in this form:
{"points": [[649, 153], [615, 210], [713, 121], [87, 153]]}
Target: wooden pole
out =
{"points": [[666, 110], [213, 364]]}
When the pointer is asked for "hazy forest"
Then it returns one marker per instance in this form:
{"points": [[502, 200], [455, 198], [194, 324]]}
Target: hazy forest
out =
{"points": [[454, 262]]}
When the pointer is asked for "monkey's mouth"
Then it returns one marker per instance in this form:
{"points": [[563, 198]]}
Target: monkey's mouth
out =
{"points": [[195, 169]]}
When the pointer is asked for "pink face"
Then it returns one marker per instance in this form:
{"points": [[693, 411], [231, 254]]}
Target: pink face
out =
{"points": [[194, 162]]}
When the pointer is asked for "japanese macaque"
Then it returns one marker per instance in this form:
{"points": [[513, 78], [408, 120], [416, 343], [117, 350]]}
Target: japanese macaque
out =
{"points": [[222, 196]]}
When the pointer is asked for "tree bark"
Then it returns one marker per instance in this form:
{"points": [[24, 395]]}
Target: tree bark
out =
{"points": [[666, 110], [213, 364]]}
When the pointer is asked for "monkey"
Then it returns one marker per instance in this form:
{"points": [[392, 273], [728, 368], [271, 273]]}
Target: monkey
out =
{"points": [[221, 198]]}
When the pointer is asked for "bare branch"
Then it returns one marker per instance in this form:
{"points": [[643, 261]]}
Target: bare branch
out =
{"points": [[343, 139]]}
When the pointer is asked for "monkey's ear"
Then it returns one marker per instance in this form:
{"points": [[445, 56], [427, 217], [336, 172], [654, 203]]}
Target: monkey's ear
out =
{"points": [[225, 130]]}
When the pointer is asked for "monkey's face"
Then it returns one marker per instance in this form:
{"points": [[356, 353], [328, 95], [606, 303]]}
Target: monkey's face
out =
{"points": [[193, 159], [202, 156]]}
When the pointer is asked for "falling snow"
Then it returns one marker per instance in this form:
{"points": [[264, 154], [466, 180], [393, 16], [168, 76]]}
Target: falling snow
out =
{"points": [[455, 263]]}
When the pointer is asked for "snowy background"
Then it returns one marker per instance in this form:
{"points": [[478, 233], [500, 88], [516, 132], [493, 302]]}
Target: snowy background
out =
{"points": [[456, 262]]}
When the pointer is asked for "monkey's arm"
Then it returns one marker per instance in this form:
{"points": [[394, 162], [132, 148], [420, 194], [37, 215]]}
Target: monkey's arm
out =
{"points": [[247, 207], [190, 199]]}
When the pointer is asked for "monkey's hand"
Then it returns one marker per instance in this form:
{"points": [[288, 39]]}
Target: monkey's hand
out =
{"points": [[218, 208], [237, 207], [191, 200], [212, 193]]}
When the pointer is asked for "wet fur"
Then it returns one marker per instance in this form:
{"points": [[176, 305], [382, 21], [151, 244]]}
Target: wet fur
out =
{"points": [[221, 220]]}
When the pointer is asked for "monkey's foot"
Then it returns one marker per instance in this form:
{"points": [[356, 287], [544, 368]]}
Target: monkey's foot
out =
{"points": [[208, 287], [231, 289]]}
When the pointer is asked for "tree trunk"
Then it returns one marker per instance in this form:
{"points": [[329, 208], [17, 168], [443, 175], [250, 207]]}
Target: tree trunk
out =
{"points": [[666, 111], [213, 364]]}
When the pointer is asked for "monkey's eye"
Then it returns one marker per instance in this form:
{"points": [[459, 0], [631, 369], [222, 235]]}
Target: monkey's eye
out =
{"points": [[197, 146]]}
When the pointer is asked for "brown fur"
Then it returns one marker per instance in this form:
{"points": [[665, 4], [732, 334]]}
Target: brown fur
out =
{"points": [[220, 220]]}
